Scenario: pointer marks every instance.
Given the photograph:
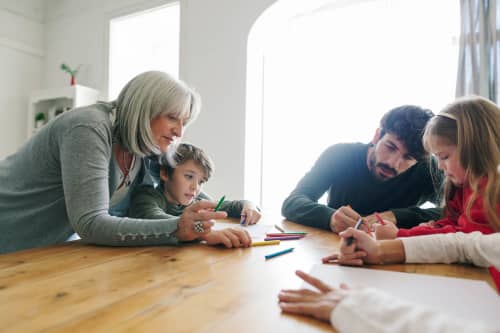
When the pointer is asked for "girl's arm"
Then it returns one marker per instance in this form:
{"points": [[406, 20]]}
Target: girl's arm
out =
{"points": [[476, 248]]}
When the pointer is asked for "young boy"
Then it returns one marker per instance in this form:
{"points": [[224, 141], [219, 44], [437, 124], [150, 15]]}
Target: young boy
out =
{"points": [[182, 175]]}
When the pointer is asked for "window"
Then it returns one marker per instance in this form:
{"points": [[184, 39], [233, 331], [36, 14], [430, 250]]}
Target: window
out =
{"points": [[143, 41], [326, 75]]}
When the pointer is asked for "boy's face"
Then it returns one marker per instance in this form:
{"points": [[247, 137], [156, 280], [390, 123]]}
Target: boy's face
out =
{"points": [[185, 183]]}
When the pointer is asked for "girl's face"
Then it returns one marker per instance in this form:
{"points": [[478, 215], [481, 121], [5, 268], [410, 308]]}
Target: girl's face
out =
{"points": [[185, 183], [448, 160], [166, 129]]}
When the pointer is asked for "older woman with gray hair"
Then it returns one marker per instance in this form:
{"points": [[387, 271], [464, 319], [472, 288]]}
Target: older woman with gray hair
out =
{"points": [[77, 172]]}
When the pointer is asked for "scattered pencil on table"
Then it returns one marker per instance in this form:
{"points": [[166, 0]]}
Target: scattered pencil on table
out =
{"points": [[357, 226], [219, 204], [272, 255], [283, 238], [301, 234], [379, 218], [264, 243], [279, 228]]}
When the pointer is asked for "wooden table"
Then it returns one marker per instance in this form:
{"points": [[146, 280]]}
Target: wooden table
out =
{"points": [[75, 287]]}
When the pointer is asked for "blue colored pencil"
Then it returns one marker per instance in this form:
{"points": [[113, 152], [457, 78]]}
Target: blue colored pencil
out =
{"points": [[272, 255]]}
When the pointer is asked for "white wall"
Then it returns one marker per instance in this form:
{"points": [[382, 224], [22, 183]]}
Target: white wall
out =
{"points": [[21, 61], [213, 60]]}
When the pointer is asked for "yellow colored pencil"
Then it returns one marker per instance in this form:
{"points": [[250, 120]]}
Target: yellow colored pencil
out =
{"points": [[273, 242]]}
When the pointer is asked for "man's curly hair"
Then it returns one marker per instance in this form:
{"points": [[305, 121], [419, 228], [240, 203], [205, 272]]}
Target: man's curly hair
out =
{"points": [[407, 123]]}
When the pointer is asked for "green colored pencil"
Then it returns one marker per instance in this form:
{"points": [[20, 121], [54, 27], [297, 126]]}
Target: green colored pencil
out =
{"points": [[219, 204]]}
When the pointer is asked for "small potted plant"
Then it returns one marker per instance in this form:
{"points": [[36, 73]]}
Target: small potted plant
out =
{"points": [[39, 120], [71, 72]]}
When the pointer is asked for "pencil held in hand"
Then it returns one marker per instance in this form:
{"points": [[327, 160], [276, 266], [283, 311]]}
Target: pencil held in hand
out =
{"points": [[219, 204], [379, 218], [357, 226]]}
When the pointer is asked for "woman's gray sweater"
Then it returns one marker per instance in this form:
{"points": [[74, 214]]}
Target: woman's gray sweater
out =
{"points": [[60, 181]]}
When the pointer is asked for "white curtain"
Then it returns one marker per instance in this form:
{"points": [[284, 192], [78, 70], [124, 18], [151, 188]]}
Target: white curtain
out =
{"points": [[478, 67]]}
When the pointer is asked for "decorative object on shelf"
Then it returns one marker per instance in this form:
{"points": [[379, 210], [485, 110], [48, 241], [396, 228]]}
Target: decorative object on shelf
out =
{"points": [[72, 72], [55, 101], [39, 120]]}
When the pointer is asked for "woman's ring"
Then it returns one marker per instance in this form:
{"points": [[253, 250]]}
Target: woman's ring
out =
{"points": [[198, 227]]}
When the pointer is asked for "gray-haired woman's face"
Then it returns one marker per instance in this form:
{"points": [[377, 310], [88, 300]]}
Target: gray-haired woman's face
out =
{"points": [[166, 129]]}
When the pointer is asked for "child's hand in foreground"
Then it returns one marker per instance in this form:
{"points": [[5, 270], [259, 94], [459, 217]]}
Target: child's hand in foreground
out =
{"points": [[250, 214]]}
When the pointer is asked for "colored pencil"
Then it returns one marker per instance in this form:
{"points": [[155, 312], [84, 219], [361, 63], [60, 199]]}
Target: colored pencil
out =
{"points": [[283, 238], [357, 226], [272, 255], [379, 218], [272, 242], [279, 228], [285, 234]]}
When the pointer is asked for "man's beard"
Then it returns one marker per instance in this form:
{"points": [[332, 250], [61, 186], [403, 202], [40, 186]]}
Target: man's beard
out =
{"points": [[383, 166]]}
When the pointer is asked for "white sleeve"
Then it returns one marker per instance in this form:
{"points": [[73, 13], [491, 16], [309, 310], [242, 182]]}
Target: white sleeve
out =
{"points": [[476, 248], [370, 310]]}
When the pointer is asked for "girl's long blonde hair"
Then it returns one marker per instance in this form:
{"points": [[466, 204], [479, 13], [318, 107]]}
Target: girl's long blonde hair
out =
{"points": [[473, 125]]}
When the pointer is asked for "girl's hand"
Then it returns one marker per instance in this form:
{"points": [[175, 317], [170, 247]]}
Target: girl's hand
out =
{"points": [[317, 304], [250, 214], [363, 250], [387, 216], [430, 224], [229, 237], [197, 220], [387, 231]]}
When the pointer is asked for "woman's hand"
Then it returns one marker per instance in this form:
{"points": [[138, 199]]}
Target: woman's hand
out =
{"points": [[312, 303], [250, 214], [386, 231], [363, 250], [196, 220], [229, 237]]}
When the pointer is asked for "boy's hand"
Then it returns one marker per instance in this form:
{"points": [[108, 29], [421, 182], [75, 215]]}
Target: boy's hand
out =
{"points": [[250, 214], [229, 237]]}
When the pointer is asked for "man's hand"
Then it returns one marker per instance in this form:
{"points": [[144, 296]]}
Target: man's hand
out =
{"points": [[343, 218]]}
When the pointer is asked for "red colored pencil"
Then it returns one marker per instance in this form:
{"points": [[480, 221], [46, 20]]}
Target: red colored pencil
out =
{"points": [[379, 218]]}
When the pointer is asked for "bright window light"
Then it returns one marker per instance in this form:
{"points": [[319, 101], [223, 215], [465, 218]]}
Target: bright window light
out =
{"points": [[329, 74], [143, 41]]}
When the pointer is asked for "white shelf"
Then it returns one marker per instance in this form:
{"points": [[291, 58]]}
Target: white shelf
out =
{"points": [[52, 102]]}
